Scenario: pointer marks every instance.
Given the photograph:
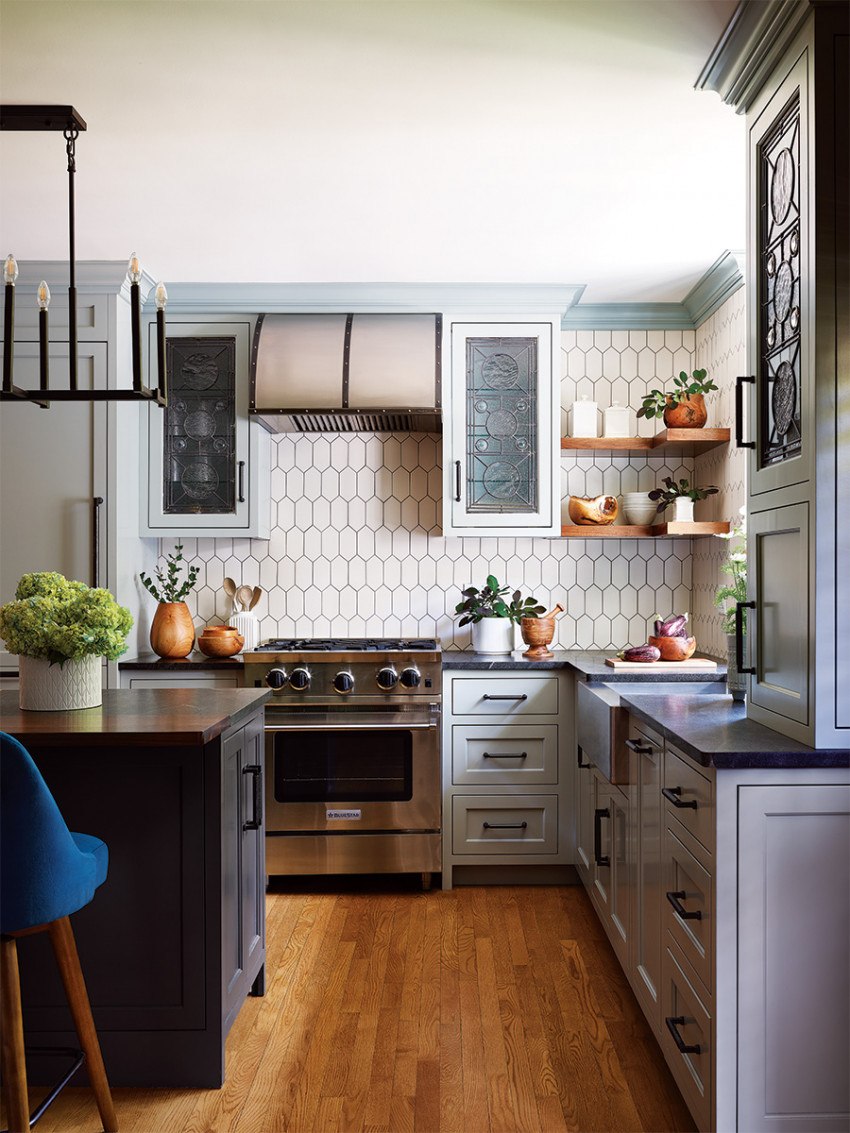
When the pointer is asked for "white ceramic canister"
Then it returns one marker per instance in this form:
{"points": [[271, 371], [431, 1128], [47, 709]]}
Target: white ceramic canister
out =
{"points": [[248, 625], [584, 418], [617, 421]]}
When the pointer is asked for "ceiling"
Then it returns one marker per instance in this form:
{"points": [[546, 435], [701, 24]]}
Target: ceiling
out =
{"points": [[379, 140]]}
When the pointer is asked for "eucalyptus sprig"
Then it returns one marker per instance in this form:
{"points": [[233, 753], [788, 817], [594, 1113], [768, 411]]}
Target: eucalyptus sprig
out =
{"points": [[657, 400], [489, 602], [170, 587]]}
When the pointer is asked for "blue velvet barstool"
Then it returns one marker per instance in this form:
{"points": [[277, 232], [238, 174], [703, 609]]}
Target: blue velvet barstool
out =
{"points": [[46, 873]]}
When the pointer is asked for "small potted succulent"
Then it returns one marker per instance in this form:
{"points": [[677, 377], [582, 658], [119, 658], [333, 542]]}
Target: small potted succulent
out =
{"points": [[683, 407], [682, 496], [172, 629], [61, 629], [493, 617]]}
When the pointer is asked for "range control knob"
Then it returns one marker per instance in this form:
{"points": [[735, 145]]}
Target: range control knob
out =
{"points": [[411, 677], [344, 682], [275, 678], [299, 679], [387, 678]]}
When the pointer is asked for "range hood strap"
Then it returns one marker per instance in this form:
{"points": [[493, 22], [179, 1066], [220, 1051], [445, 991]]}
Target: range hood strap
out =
{"points": [[346, 361]]}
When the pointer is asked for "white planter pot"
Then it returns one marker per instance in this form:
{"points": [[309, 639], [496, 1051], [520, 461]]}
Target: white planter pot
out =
{"points": [[248, 625], [493, 635], [60, 688], [683, 510]]}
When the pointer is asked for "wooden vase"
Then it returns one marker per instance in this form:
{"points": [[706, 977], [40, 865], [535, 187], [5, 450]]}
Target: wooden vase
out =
{"points": [[172, 631], [689, 413]]}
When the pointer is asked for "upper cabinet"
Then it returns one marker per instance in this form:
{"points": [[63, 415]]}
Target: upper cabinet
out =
{"points": [[501, 429], [207, 472]]}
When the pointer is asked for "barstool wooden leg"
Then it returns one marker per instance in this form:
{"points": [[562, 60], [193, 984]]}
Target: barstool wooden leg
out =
{"points": [[12, 1028], [65, 949]]}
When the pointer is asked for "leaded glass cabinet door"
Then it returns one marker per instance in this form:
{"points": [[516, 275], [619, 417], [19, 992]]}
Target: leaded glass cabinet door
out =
{"points": [[208, 464], [502, 443], [781, 334]]}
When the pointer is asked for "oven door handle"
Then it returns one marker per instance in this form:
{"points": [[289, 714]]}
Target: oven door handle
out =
{"points": [[351, 727]]}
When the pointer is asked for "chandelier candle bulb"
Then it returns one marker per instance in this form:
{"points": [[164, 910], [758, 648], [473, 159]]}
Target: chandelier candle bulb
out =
{"points": [[43, 335], [10, 274], [134, 271]]}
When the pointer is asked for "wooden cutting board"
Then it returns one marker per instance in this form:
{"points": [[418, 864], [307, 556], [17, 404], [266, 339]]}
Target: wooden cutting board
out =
{"points": [[693, 663]]}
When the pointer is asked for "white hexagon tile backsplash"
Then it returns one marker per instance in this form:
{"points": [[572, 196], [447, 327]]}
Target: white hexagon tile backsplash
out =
{"points": [[357, 548]]}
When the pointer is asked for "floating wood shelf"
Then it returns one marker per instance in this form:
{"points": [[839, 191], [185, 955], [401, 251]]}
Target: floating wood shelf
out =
{"points": [[656, 531], [681, 442]]}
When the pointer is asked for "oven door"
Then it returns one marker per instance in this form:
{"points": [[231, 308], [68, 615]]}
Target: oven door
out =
{"points": [[372, 770]]}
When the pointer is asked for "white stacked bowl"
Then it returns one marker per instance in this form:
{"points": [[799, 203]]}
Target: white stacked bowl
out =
{"points": [[639, 509]]}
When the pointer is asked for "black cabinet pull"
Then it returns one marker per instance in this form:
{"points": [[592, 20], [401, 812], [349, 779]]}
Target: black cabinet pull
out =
{"points": [[673, 1027], [505, 696], [739, 636], [675, 900], [579, 754], [504, 755], [457, 481], [95, 540], [256, 819], [671, 794], [641, 749], [598, 856], [505, 825], [241, 493], [750, 379]]}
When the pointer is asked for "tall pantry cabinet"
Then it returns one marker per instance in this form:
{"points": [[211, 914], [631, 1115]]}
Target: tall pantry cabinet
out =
{"points": [[787, 67]]}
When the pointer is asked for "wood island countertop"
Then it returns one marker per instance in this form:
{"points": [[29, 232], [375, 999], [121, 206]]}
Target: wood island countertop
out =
{"points": [[137, 716]]}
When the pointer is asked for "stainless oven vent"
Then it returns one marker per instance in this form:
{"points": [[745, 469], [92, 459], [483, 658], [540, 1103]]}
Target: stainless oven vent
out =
{"points": [[418, 422]]}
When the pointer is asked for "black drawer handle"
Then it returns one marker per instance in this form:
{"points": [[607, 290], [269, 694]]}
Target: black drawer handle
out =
{"points": [[672, 1026], [640, 748], [598, 815], [256, 819], [739, 410], [241, 481], [579, 754], [505, 696], [504, 755], [505, 825], [671, 794], [457, 481], [739, 636], [675, 900]]}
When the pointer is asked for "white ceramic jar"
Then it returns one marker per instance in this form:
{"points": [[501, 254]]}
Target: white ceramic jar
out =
{"points": [[617, 421], [584, 418]]}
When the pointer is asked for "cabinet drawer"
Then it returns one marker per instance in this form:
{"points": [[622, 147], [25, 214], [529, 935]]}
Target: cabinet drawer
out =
{"points": [[689, 797], [683, 1012], [512, 753], [523, 696], [505, 824], [688, 889], [184, 680]]}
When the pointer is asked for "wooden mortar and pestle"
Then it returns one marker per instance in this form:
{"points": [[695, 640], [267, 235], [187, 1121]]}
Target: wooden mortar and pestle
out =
{"points": [[537, 633]]}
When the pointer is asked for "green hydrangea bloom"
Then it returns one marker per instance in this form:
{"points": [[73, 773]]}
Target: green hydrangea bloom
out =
{"points": [[59, 619]]}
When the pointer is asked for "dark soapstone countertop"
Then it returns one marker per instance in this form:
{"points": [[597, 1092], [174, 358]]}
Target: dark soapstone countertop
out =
{"points": [[588, 663], [715, 731], [196, 661]]}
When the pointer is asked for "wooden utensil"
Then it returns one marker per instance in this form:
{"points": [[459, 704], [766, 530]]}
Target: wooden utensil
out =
{"points": [[244, 595], [257, 595], [554, 612], [230, 590]]}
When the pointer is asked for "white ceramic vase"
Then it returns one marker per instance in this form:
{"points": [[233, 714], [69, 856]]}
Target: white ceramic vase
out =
{"points": [[60, 688], [248, 625], [493, 635], [683, 509]]}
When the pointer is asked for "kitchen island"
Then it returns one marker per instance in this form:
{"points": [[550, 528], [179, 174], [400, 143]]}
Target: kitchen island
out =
{"points": [[171, 944]]}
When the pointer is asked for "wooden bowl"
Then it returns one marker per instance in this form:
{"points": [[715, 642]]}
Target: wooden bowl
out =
{"points": [[537, 633], [597, 512], [674, 648], [220, 641]]}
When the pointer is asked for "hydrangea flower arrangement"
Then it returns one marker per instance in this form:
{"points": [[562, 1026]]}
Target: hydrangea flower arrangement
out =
{"points": [[57, 619]]}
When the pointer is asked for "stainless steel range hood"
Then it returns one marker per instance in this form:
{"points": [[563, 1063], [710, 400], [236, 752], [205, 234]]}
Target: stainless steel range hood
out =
{"points": [[347, 373]]}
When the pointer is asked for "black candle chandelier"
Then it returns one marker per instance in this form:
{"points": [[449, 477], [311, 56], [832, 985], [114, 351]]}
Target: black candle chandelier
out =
{"points": [[66, 119]]}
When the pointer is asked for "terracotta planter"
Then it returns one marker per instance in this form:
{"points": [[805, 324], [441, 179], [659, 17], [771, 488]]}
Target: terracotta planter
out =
{"points": [[690, 413], [60, 688], [172, 631]]}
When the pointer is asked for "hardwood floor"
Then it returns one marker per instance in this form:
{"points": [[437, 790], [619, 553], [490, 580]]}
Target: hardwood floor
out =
{"points": [[482, 1010]]}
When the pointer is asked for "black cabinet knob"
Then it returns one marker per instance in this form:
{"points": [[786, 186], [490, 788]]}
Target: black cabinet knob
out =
{"points": [[411, 677], [276, 678], [387, 679], [343, 682], [299, 680]]}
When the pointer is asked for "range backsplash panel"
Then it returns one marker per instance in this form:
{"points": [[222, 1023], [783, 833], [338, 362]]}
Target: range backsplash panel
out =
{"points": [[357, 547]]}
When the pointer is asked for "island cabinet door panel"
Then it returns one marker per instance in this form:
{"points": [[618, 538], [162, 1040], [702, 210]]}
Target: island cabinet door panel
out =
{"points": [[141, 938]]}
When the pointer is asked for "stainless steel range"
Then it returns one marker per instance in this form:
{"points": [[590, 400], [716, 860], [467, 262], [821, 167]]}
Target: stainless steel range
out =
{"points": [[352, 754]]}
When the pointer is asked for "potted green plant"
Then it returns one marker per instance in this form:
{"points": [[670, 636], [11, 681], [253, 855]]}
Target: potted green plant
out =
{"points": [[733, 592], [61, 629], [682, 496], [493, 616], [172, 629], [683, 407]]}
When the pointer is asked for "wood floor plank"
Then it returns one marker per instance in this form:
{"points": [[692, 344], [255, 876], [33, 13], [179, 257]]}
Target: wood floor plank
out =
{"points": [[499, 1094]]}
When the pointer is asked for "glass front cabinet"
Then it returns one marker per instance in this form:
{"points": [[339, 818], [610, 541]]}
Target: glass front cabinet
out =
{"points": [[501, 438], [208, 468]]}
